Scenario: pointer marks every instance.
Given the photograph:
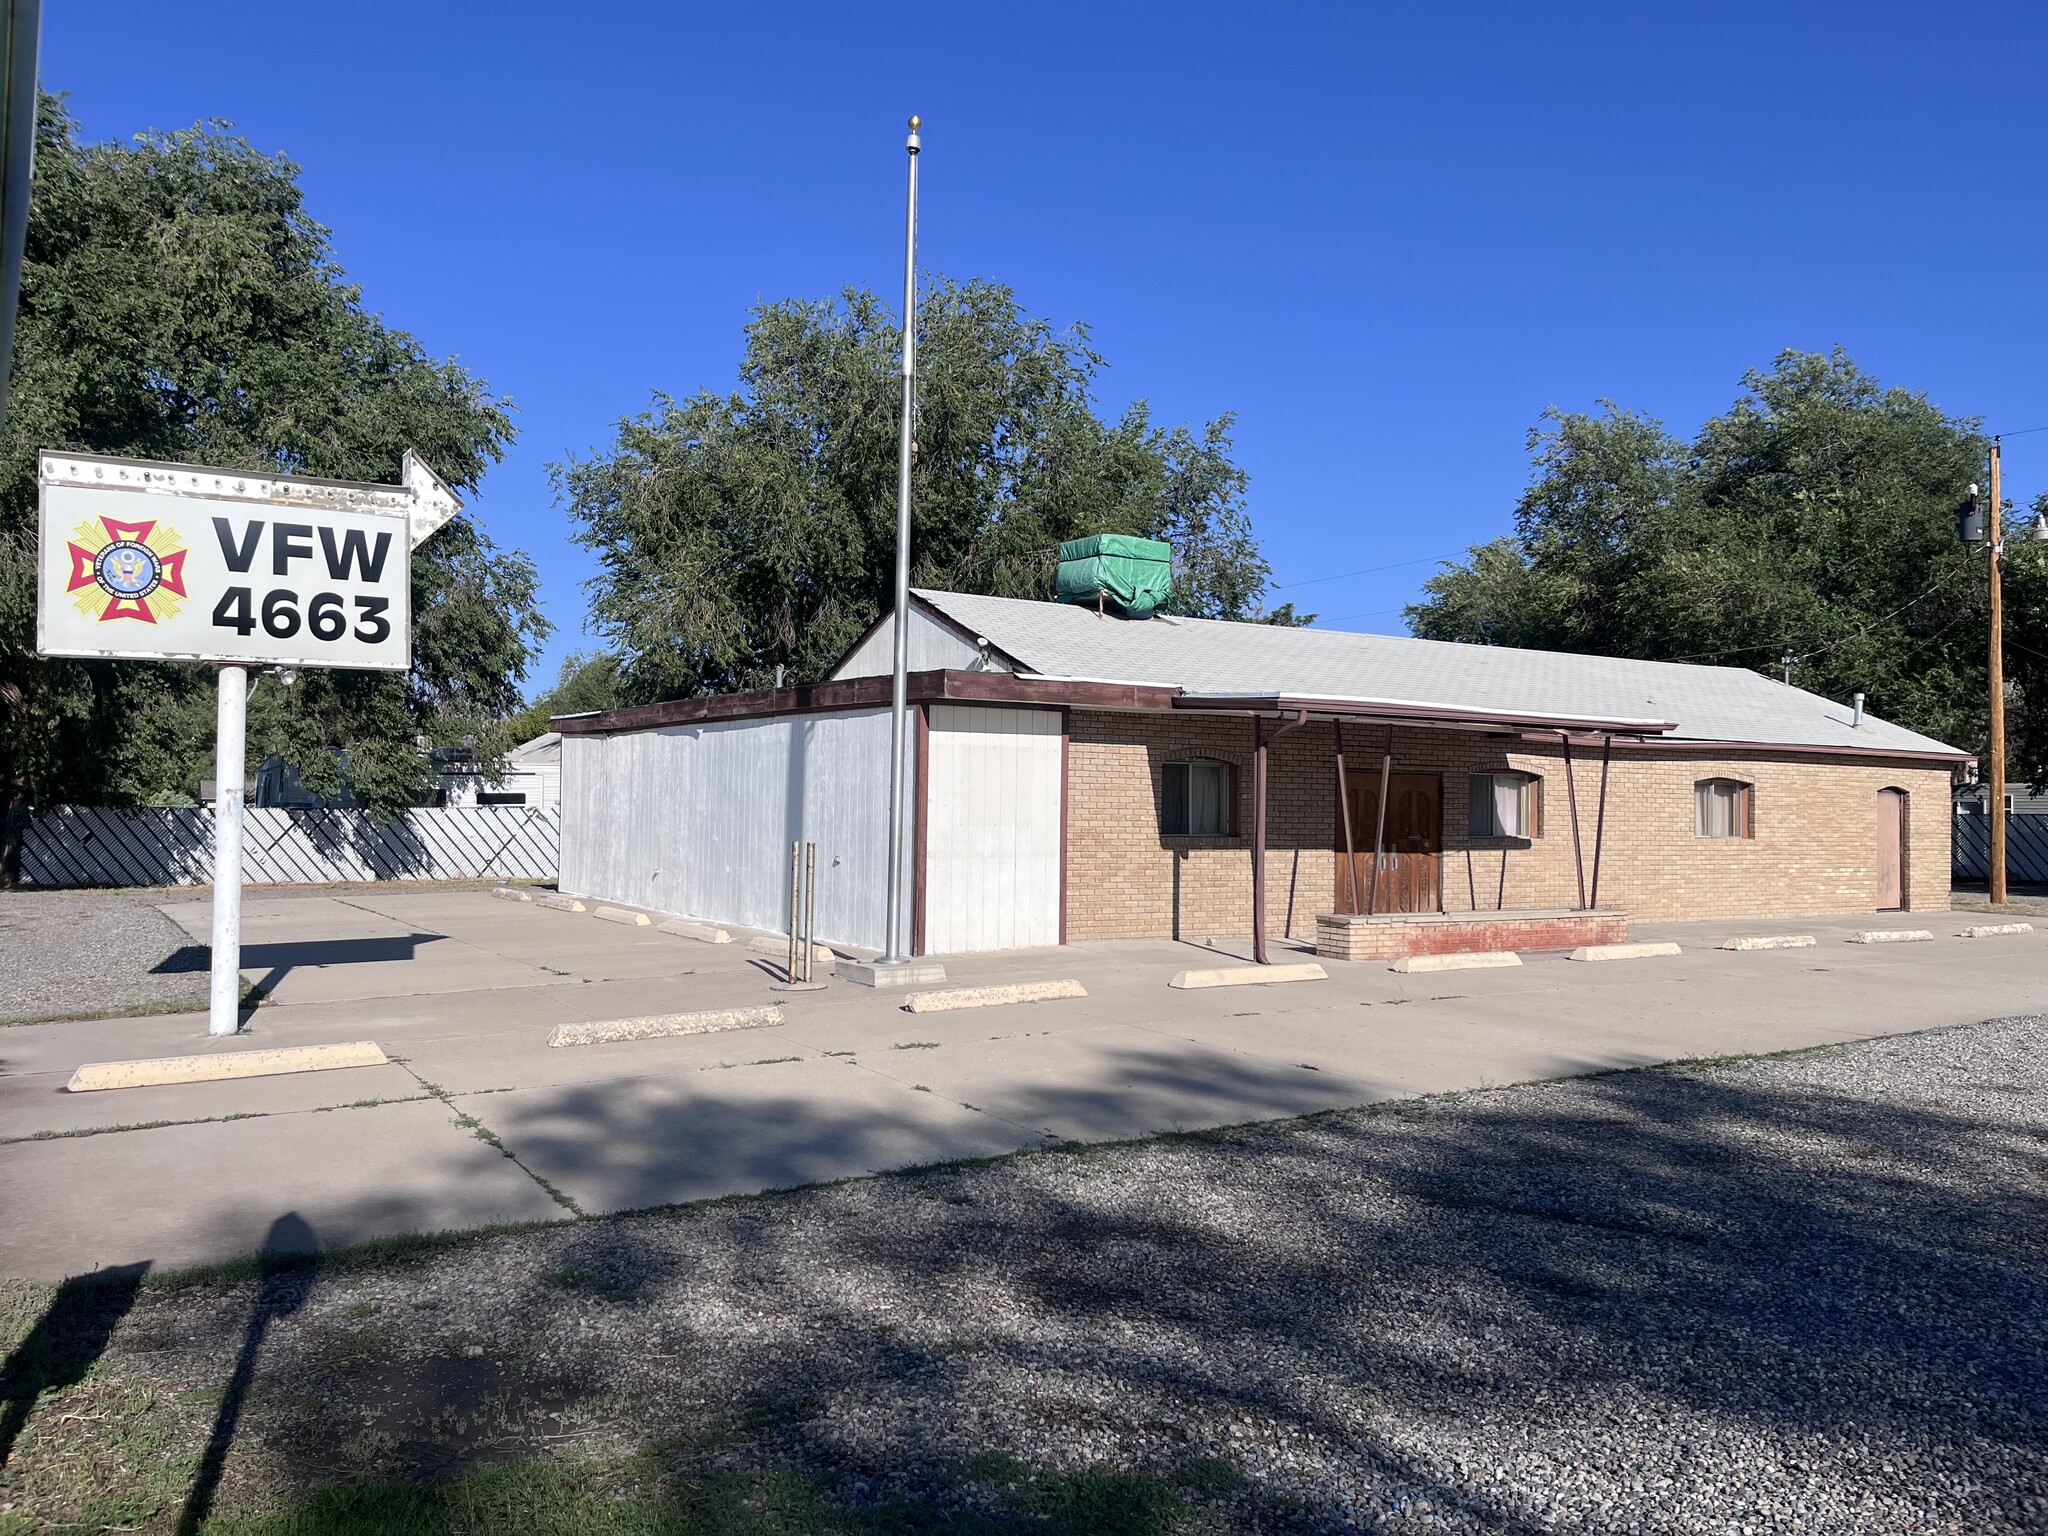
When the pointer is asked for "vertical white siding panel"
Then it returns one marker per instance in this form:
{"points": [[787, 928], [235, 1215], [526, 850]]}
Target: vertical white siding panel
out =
{"points": [[992, 850], [698, 819]]}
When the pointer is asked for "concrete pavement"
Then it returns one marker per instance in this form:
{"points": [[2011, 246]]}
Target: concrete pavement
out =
{"points": [[478, 1121]]}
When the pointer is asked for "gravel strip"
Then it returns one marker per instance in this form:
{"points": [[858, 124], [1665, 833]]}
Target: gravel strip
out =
{"points": [[1794, 1295], [76, 953]]}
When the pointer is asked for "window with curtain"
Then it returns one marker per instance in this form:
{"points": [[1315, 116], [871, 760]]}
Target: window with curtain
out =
{"points": [[1197, 800], [1721, 808], [1505, 805]]}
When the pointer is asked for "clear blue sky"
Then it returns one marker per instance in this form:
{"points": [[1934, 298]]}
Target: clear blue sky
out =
{"points": [[1385, 236]]}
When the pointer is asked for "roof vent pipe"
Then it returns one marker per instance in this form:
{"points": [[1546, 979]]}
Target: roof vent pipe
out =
{"points": [[1858, 721]]}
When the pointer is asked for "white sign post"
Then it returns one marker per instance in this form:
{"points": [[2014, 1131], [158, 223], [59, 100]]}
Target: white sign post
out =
{"points": [[174, 562]]}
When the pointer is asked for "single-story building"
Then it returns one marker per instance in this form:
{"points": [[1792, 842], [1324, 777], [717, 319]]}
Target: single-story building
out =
{"points": [[532, 776], [1083, 774]]}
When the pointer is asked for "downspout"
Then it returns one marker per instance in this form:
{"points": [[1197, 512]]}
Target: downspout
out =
{"points": [[1260, 742]]}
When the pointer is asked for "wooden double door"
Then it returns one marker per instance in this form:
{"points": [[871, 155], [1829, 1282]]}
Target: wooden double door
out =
{"points": [[1411, 857]]}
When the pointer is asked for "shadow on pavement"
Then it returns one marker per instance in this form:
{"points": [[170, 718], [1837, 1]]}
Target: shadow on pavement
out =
{"points": [[287, 1278], [283, 957], [66, 1340]]}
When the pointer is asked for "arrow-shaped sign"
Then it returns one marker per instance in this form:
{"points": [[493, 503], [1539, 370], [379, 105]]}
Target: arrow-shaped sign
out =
{"points": [[432, 502]]}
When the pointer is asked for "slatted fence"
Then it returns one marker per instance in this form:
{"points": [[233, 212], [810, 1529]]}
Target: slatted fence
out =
{"points": [[79, 845], [2026, 848]]}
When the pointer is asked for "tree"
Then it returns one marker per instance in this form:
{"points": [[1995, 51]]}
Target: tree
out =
{"points": [[178, 302], [1815, 517], [588, 681], [743, 532]]}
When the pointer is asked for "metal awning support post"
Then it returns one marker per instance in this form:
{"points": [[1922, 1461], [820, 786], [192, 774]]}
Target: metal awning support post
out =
{"points": [[1260, 742], [1344, 809], [1379, 832], [1571, 789], [1600, 817]]}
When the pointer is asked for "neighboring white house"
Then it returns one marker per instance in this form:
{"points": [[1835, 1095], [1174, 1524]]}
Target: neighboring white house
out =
{"points": [[533, 775], [2020, 799]]}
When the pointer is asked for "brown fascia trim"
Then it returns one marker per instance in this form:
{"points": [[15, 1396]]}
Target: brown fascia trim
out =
{"points": [[1369, 709], [936, 687], [1770, 749]]}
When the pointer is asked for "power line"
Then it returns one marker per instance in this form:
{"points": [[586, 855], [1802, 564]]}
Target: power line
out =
{"points": [[1377, 613], [1289, 586], [1828, 645]]}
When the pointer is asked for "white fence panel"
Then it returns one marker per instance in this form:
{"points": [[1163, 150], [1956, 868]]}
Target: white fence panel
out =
{"points": [[83, 845]]}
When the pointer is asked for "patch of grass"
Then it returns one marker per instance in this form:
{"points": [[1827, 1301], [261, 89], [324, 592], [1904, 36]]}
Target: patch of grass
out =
{"points": [[564, 1498], [253, 996], [993, 1467], [409, 1098], [1104, 1500], [490, 1138], [1209, 1474], [134, 1125], [775, 1412], [94, 1456], [350, 1346], [589, 1282]]}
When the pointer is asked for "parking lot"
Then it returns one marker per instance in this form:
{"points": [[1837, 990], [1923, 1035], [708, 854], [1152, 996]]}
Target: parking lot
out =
{"points": [[477, 1121]]}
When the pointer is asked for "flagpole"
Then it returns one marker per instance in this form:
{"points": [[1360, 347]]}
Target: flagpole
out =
{"points": [[899, 703]]}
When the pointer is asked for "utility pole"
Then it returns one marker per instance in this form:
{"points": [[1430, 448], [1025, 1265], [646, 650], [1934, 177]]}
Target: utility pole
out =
{"points": [[1997, 807]]}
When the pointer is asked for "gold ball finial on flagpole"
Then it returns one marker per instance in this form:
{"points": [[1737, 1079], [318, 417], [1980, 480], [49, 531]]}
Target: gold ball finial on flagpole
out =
{"points": [[915, 122]]}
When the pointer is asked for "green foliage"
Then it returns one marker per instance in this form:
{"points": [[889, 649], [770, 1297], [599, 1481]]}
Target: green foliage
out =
{"points": [[588, 1498], [1815, 516], [2025, 567], [588, 681], [178, 303], [738, 533]]}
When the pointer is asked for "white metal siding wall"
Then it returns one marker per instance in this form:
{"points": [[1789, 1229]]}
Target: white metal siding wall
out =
{"points": [[698, 820], [992, 851], [932, 647]]}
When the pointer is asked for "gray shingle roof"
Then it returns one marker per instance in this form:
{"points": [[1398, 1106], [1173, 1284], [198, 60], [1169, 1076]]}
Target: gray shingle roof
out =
{"points": [[1208, 656]]}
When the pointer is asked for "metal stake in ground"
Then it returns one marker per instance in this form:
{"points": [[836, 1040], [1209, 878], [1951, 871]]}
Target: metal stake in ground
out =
{"points": [[803, 912], [796, 893], [224, 999], [810, 907]]}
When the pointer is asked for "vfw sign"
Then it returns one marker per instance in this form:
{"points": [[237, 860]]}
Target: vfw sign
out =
{"points": [[155, 561]]}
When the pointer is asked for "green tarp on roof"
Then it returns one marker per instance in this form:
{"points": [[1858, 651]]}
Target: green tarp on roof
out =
{"points": [[1133, 573]]}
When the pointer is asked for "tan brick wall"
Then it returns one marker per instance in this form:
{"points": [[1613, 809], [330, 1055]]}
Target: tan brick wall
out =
{"points": [[1815, 848]]}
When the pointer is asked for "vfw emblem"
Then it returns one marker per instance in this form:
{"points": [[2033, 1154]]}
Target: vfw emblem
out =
{"points": [[126, 570]]}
